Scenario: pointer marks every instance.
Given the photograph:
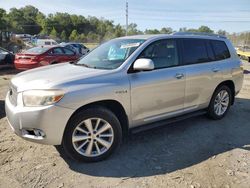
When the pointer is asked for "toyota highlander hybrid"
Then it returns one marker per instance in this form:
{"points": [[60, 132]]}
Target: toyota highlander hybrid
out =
{"points": [[126, 84]]}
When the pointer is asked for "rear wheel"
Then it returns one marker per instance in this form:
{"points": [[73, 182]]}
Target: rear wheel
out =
{"points": [[92, 135], [220, 102]]}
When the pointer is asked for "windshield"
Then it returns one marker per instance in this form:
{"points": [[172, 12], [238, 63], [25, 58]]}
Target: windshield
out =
{"points": [[110, 55], [37, 50]]}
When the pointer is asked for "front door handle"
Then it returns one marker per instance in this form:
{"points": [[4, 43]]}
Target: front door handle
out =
{"points": [[179, 76], [215, 69]]}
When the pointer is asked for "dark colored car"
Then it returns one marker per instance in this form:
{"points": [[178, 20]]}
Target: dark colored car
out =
{"points": [[80, 47], [6, 58], [41, 56]]}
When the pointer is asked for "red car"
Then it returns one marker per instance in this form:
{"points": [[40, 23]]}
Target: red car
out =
{"points": [[41, 56]]}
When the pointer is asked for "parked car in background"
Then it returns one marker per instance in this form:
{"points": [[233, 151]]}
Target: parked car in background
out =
{"points": [[127, 84], [80, 47], [24, 37], [46, 42], [41, 56], [66, 45], [6, 58]]}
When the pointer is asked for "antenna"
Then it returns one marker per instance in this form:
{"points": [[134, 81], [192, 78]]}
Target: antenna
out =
{"points": [[126, 18]]}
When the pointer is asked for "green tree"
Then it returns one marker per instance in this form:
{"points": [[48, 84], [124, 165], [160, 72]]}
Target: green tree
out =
{"points": [[222, 32], [53, 33], [74, 36], [3, 22], [63, 36], [205, 29], [132, 29], [152, 31], [166, 30], [82, 37]]}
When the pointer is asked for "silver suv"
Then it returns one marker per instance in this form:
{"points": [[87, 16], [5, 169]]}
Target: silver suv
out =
{"points": [[126, 84]]}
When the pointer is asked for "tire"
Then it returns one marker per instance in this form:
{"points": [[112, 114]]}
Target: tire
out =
{"points": [[82, 121], [212, 112]]}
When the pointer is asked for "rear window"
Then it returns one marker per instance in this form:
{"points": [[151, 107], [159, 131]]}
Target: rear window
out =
{"points": [[194, 51], [220, 50], [37, 50]]}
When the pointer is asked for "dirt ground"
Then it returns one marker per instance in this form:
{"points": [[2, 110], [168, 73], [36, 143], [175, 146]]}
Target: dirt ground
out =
{"points": [[193, 153]]}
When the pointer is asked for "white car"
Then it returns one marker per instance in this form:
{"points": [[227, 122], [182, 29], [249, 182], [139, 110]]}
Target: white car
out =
{"points": [[46, 42]]}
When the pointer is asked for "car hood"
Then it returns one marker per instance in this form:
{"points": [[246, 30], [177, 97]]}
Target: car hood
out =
{"points": [[53, 75]]}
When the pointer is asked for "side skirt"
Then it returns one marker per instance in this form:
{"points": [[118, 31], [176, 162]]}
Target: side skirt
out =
{"points": [[165, 122]]}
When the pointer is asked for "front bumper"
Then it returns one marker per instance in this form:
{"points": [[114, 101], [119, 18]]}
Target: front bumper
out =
{"points": [[50, 120]]}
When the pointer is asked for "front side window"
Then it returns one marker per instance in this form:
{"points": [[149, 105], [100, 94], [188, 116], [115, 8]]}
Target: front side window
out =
{"points": [[110, 55], [163, 53], [220, 50], [194, 51]]}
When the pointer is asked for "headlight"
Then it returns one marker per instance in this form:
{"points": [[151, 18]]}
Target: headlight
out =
{"points": [[41, 97]]}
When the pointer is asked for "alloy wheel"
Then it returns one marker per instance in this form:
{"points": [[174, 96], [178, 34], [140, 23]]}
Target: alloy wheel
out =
{"points": [[92, 137], [221, 102]]}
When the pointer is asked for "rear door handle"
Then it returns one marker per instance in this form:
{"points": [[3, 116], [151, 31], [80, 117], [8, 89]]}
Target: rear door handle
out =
{"points": [[215, 69], [179, 76]]}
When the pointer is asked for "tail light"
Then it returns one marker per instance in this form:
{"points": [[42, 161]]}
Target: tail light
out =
{"points": [[36, 58]]}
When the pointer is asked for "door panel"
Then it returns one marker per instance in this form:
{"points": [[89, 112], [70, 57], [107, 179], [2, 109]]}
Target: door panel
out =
{"points": [[159, 93], [156, 93], [201, 81], [203, 74]]}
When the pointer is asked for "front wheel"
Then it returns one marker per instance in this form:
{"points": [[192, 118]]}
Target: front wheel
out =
{"points": [[92, 135], [220, 102]]}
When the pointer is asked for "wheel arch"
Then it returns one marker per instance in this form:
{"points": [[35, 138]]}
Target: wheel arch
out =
{"points": [[114, 106], [231, 85]]}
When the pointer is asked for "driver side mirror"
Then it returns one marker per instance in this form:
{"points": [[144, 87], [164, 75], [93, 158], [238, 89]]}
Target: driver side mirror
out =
{"points": [[143, 64]]}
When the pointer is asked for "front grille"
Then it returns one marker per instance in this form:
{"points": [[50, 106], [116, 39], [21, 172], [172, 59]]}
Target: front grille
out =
{"points": [[13, 94]]}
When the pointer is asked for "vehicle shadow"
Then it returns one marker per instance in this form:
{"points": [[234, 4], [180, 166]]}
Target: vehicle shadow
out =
{"points": [[2, 111], [174, 147], [8, 71]]}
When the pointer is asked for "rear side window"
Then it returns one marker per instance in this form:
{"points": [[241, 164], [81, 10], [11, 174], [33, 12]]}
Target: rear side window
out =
{"points": [[163, 53], [194, 51], [220, 50]]}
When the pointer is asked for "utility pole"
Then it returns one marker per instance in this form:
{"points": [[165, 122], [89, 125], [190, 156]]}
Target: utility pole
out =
{"points": [[126, 18]]}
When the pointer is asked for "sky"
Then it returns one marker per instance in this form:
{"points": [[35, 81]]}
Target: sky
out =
{"points": [[229, 15]]}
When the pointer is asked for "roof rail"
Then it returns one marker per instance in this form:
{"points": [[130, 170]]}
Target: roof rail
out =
{"points": [[200, 33]]}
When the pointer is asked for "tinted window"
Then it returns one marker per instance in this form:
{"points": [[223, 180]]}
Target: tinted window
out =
{"points": [[210, 52], [163, 53], [68, 51], [47, 43], [70, 47], [57, 51], [194, 51], [220, 50]]}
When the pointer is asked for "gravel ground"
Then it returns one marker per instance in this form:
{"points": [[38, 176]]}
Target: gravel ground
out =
{"points": [[193, 153]]}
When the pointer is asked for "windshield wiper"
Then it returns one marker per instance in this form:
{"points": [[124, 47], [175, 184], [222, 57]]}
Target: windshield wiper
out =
{"points": [[82, 64]]}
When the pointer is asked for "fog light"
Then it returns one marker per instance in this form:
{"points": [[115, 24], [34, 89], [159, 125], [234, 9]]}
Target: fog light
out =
{"points": [[33, 134]]}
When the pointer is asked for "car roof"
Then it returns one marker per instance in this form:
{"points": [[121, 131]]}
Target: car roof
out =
{"points": [[177, 35]]}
